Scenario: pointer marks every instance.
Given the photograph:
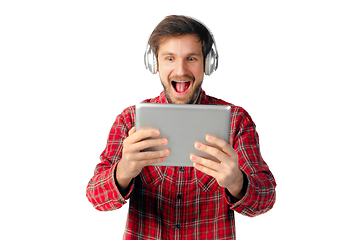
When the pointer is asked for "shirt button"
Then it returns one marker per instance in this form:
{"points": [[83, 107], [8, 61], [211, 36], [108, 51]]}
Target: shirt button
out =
{"points": [[177, 226], [181, 169], [179, 196]]}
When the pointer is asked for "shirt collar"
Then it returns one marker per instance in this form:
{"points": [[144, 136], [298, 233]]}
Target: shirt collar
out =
{"points": [[201, 100]]}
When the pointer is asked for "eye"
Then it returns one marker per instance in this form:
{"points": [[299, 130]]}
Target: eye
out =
{"points": [[170, 59], [191, 59]]}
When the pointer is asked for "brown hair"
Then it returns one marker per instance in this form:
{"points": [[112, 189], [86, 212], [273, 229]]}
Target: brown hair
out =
{"points": [[177, 25]]}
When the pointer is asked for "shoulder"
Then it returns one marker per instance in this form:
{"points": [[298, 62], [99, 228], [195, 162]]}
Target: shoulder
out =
{"points": [[126, 117], [239, 116], [128, 114], [235, 110], [216, 101]]}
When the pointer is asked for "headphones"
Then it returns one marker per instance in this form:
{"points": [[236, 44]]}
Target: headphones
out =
{"points": [[211, 61]]}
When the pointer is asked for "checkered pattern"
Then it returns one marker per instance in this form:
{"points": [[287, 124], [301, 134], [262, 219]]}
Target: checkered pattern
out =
{"points": [[182, 202]]}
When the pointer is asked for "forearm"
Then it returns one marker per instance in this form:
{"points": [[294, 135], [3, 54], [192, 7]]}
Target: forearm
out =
{"points": [[259, 197], [260, 193], [103, 192]]}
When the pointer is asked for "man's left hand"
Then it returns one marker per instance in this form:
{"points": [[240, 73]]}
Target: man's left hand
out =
{"points": [[226, 171]]}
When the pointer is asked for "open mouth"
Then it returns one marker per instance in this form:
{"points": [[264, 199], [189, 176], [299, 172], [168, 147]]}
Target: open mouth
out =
{"points": [[180, 86]]}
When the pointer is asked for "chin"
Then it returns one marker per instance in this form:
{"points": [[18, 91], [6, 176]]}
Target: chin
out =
{"points": [[189, 98], [187, 92]]}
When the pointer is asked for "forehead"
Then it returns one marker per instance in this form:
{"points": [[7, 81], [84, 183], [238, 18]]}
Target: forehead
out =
{"points": [[181, 45]]}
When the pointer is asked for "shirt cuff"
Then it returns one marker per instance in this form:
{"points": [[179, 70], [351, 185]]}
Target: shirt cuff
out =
{"points": [[239, 205], [122, 199]]}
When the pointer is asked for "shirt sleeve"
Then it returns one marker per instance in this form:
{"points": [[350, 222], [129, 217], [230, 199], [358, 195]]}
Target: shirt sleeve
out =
{"points": [[102, 190], [260, 195]]}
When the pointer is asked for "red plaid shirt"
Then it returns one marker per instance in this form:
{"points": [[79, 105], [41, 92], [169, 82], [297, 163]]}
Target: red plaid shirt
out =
{"points": [[182, 202]]}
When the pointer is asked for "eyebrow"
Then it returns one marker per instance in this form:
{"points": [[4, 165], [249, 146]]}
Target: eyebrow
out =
{"points": [[190, 54]]}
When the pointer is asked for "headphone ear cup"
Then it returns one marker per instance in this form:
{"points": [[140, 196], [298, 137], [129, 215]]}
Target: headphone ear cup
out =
{"points": [[154, 65], [150, 60], [209, 63]]}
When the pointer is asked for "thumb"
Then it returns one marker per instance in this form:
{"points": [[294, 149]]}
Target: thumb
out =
{"points": [[132, 131]]}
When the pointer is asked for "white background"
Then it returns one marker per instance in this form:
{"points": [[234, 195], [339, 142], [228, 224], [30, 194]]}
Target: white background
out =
{"points": [[67, 68]]}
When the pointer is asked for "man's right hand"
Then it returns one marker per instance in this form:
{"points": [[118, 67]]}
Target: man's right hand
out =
{"points": [[133, 160]]}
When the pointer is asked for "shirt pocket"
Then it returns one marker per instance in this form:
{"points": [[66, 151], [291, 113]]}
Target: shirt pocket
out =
{"points": [[152, 175], [206, 182]]}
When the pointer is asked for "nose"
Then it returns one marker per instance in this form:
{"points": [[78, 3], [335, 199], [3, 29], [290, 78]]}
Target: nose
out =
{"points": [[180, 67]]}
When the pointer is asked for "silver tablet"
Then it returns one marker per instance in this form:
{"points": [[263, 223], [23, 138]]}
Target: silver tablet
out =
{"points": [[183, 125]]}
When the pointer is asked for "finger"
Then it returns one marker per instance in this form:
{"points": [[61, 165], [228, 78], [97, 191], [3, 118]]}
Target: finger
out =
{"points": [[206, 170], [206, 163], [142, 134], [132, 131], [150, 155], [147, 144], [154, 161], [222, 144], [218, 154]]}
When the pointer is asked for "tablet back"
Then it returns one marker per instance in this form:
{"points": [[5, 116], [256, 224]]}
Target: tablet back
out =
{"points": [[183, 125]]}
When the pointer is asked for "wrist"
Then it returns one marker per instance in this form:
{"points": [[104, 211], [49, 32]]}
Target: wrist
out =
{"points": [[237, 188], [122, 181]]}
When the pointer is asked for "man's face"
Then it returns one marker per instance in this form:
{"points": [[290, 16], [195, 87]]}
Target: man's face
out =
{"points": [[181, 68]]}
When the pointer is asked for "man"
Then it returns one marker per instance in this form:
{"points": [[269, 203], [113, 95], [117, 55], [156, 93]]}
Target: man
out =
{"points": [[182, 202]]}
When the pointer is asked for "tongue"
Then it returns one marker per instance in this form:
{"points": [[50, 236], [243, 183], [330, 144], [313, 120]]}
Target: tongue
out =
{"points": [[181, 86]]}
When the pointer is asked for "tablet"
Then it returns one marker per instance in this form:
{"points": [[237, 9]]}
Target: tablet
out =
{"points": [[183, 125]]}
